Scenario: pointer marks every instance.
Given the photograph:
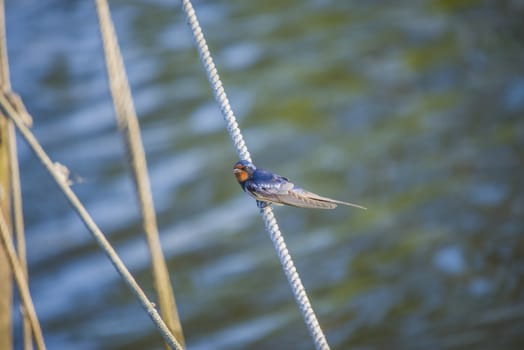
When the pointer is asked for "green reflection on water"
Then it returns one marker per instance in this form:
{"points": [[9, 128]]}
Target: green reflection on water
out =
{"points": [[401, 107]]}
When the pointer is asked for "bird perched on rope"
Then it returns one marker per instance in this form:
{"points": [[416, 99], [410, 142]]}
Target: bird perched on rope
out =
{"points": [[269, 188]]}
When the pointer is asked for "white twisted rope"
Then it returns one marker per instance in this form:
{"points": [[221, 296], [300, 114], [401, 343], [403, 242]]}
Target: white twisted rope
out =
{"points": [[216, 83], [294, 279], [267, 213]]}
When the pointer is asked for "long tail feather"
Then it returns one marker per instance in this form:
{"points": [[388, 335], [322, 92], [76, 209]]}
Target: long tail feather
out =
{"points": [[317, 197], [305, 199]]}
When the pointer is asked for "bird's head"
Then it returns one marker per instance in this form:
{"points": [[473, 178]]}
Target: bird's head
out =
{"points": [[243, 170]]}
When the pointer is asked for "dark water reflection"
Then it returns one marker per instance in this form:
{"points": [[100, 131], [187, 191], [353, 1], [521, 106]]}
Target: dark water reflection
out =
{"points": [[413, 109]]}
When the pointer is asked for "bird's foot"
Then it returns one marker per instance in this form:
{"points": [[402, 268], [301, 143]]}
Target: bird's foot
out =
{"points": [[262, 204]]}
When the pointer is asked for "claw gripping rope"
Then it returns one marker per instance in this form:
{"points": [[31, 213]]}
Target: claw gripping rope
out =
{"points": [[267, 213]]}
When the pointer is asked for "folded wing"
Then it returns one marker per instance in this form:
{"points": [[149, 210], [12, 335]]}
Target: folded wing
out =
{"points": [[299, 197], [279, 190]]}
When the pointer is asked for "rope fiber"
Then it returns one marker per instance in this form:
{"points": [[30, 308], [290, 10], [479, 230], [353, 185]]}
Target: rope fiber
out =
{"points": [[15, 186], [130, 129], [20, 275], [267, 213], [88, 221]]}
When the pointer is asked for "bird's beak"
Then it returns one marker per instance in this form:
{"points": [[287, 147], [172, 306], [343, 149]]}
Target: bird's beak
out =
{"points": [[236, 171]]}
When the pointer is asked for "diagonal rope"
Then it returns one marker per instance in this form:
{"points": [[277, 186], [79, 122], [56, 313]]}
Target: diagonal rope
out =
{"points": [[14, 177], [130, 129], [88, 221], [21, 281], [216, 83], [267, 213], [294, 279]]}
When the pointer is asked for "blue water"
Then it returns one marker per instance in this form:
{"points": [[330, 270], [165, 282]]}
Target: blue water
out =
{"points": [[413, 109]]}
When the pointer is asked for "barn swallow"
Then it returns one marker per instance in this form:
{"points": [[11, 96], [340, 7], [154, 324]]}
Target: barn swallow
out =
{"points": [[267, 188]]}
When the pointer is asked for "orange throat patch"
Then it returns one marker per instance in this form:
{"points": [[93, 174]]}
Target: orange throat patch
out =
{"points": [[241, 174]]}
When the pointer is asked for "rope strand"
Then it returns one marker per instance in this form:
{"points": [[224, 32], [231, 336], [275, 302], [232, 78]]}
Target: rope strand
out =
{"points": [[294, 279], [267, 213], [130, 129], [21, 281], [216, 83], [14, 177], [88, 221]]}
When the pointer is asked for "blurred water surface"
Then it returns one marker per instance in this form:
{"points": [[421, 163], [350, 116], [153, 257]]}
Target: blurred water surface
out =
{"points": [[413, 109]]}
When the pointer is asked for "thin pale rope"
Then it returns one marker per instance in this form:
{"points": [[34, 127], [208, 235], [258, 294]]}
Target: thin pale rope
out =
{"points": [[4, 66], [18, 225], [90, 224], [14, 175], [216, 84], [241, 149], [21, 282], [294, 279], [130, 129]]}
